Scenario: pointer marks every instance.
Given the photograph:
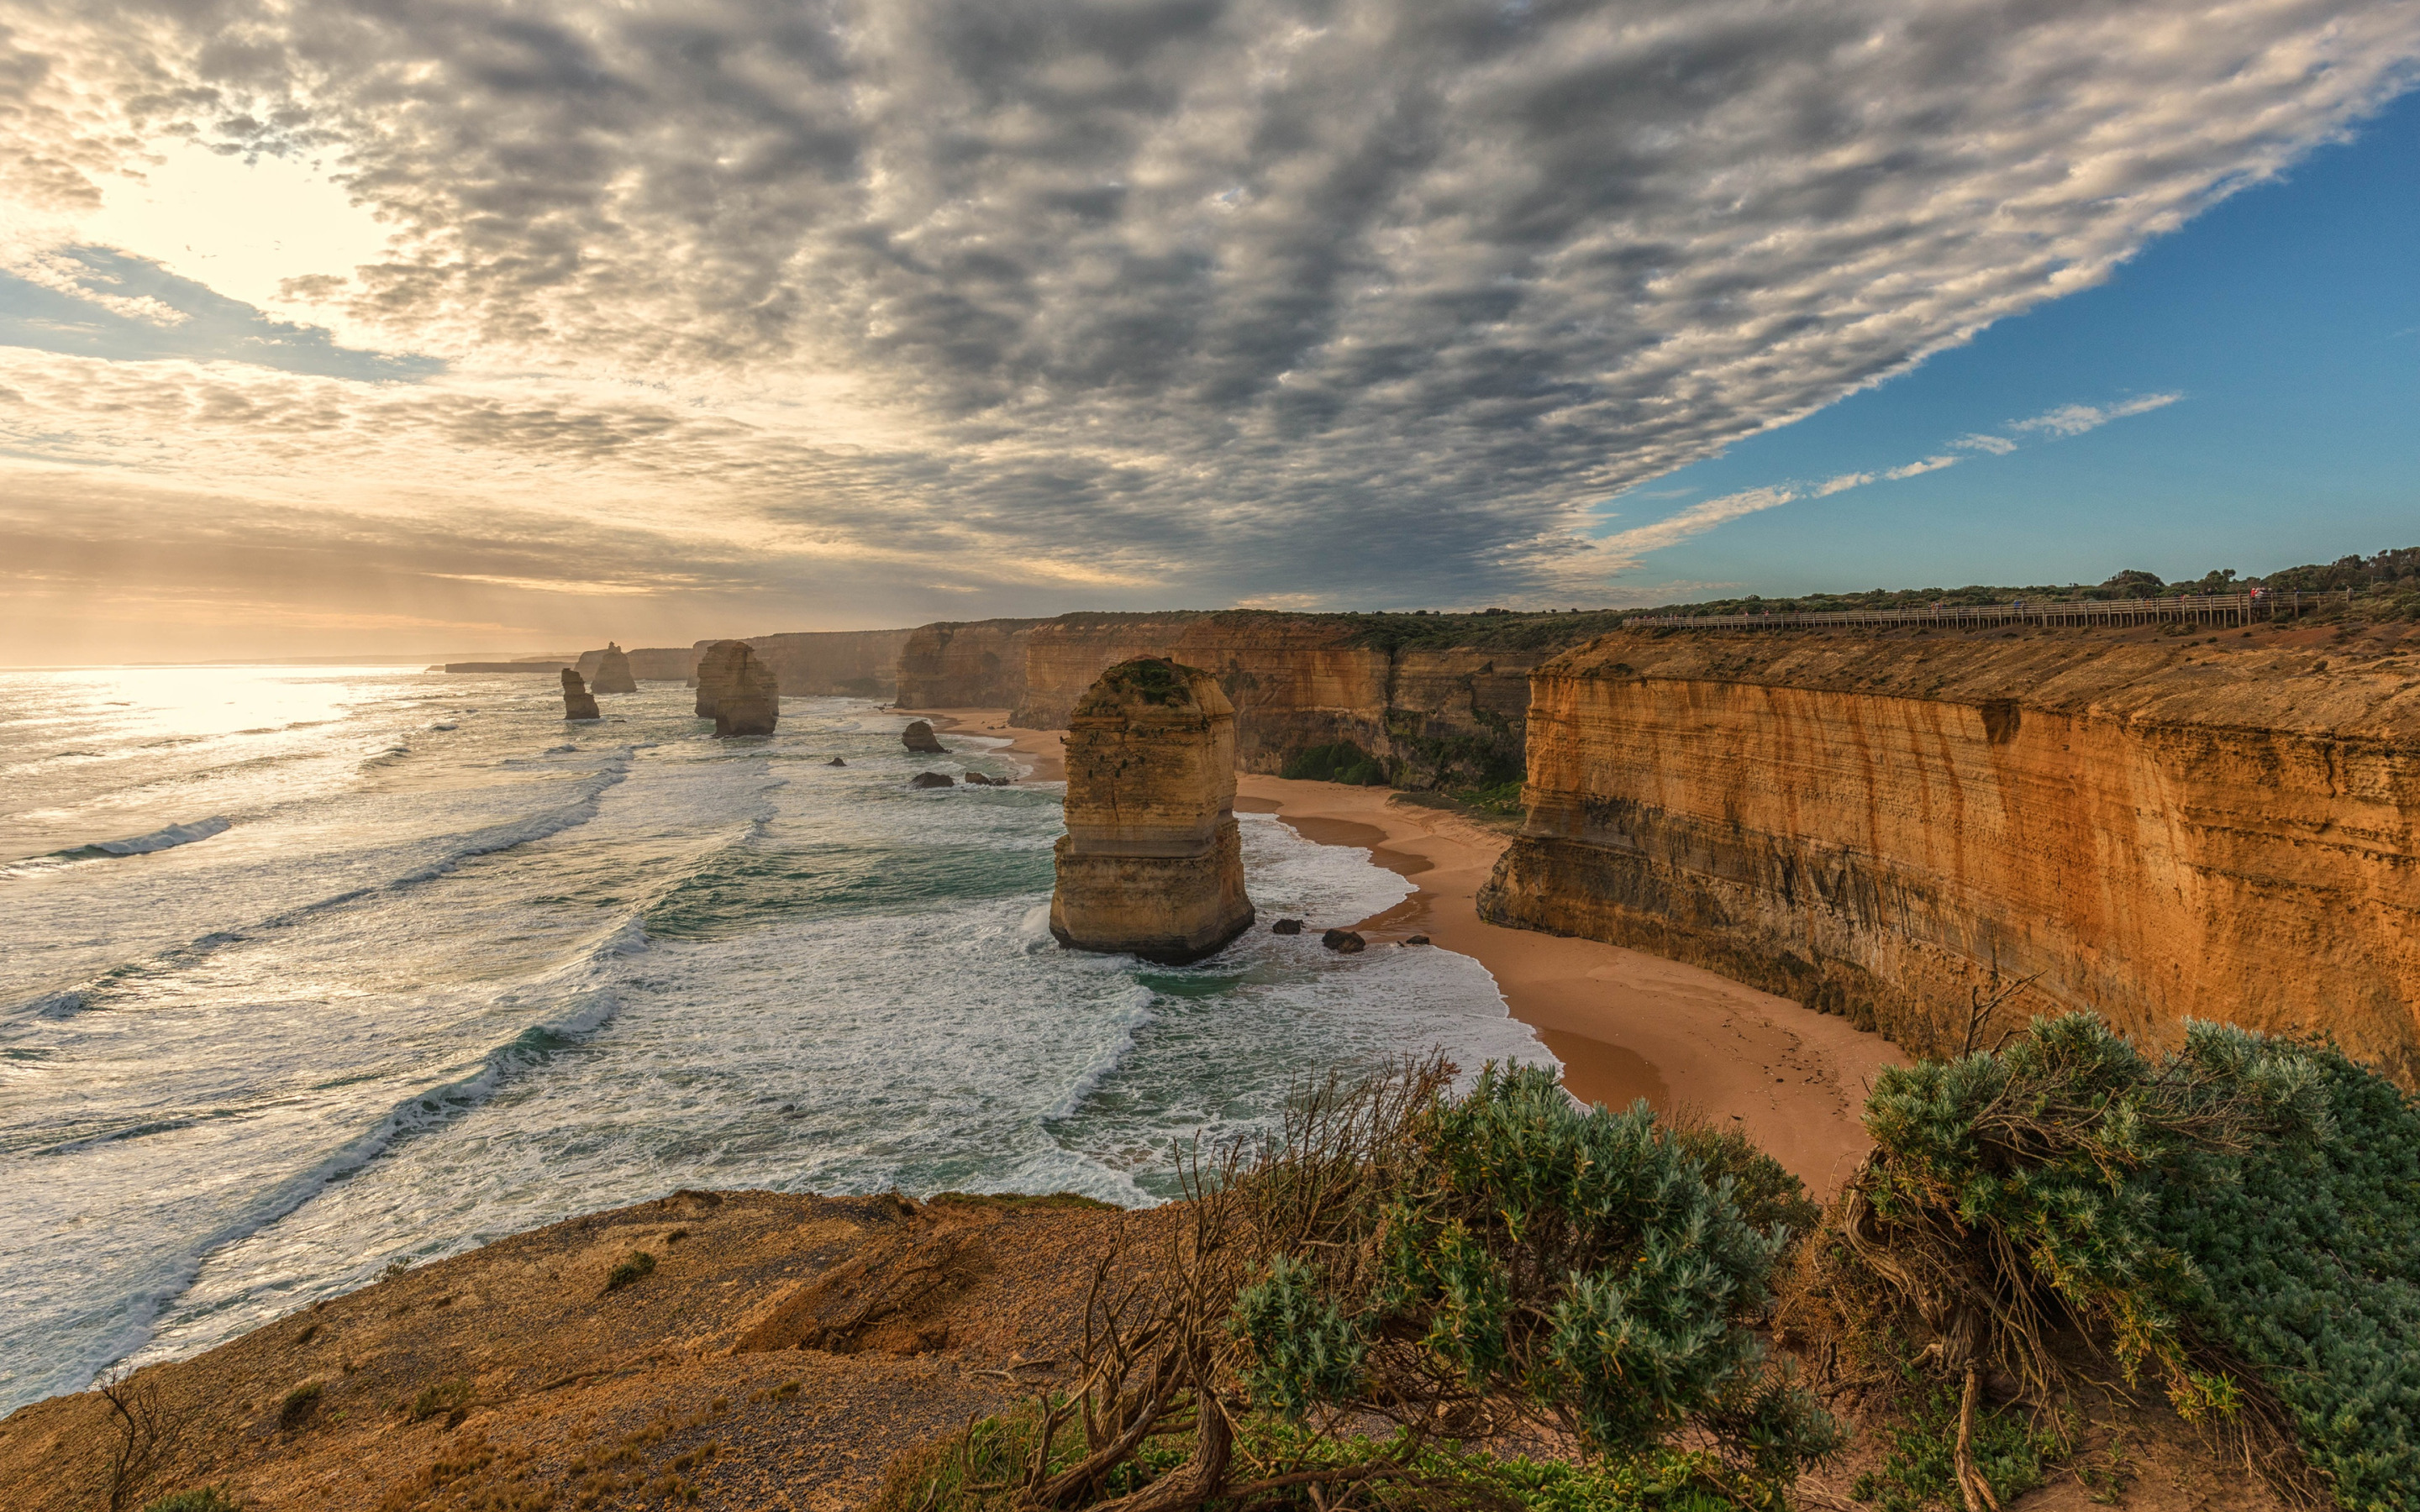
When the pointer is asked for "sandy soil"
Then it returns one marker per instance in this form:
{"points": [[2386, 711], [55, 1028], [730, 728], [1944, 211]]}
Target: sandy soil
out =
{"points": [[1624, 1024]]}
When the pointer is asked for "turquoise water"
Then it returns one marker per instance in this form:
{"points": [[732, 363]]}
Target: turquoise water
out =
{"points": [[311, 970]]}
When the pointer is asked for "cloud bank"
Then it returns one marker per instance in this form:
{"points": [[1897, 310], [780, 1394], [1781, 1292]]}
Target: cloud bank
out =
{"points": [[1013, 304]]}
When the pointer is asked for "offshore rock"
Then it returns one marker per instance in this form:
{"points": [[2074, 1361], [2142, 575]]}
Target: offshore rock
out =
{"points": [[931, 779], [918, 737], [614, 672], [1344, 942], [835, 761], [736, 692], [1286, 926], [578, 702], [1152, 864]]}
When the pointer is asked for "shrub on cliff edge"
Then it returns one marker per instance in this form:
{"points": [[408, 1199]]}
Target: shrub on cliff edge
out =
{"points": [[2237, 1221], [1460, 1267]]}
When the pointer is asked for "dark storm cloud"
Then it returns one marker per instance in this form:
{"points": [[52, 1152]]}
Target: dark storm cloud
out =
{"points": [[1161, 291]]}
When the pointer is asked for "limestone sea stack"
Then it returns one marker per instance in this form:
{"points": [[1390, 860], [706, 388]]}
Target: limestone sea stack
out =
{"points": [[1150, 864], [918, 737], [613, 671], [736, 692], [578, 702]]}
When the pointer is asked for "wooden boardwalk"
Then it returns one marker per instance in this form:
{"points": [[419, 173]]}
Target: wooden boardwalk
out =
{"points": [[2186, 608]]}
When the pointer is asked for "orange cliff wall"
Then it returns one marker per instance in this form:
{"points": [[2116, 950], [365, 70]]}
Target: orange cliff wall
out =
{"points": [[976, 664], [863, 663], [2154, 829], [1296, 680]]}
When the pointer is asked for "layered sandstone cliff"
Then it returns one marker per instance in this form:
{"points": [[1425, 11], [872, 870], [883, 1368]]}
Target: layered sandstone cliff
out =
{"points": [[1435, 714], [1882, 826], [1152, 864], [848, 663], [738, 691], [978, 664], [647, 664]]}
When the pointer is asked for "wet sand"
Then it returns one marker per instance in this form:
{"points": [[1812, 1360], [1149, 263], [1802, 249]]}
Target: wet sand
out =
{"points": [[1042, 752], [1625, 1025]]}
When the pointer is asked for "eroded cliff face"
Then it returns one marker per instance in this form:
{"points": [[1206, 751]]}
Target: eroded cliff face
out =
{"points": [[852, 663], [660, 664], [1441, 715], [1878, 824], [976, 665], [1152, 863]]}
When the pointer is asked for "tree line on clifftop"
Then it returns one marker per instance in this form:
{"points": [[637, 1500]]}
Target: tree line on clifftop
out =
{"points": [[1401, 1296]]}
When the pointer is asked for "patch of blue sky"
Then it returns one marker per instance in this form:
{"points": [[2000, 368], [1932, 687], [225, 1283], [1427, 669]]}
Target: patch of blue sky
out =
{"points": [[213, 329], [2286, 321]]}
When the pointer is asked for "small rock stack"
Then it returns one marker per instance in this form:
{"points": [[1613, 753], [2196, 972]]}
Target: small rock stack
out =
{"points": [[613, 671], [1152, 864], [918, 737], [578, 702], [736, 692]]}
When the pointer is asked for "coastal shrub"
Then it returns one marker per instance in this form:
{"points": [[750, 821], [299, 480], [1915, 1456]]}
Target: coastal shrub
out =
{"points": [[1918, 1472], [980, 1470], [299, 1405], [2237, 1220], [445, 1397], [1342, 761], [1466, 1266], [638, 1267]]}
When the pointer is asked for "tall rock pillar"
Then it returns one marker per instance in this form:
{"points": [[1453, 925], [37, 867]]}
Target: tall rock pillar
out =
{"points": [[736, 692], [613, 671], [578, 702], [1150, 864]]}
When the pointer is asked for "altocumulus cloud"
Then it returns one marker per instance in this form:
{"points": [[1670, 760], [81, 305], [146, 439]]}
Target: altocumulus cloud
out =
{"points": [[1038, 304]]}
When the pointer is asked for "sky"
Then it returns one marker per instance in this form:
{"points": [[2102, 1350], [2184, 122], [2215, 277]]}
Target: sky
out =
{"points": [[428, 324]]}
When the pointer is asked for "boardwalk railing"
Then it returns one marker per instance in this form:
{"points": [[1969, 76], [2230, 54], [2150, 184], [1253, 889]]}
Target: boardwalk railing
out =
{"points": [[2189, 609]]}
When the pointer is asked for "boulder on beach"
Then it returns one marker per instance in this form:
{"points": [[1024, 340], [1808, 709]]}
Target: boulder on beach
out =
{"points": [[578, 702], [918, 737], [613, 671], [736, 692], [1416, 939], [1152, 863], [1344, 942], [931, 779], [1286, 926]]}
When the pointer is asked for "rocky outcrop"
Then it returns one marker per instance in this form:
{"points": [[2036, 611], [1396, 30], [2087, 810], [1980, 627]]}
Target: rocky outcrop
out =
{"points": [[919, 739], [834, 663], [931, 779], [736, 692], [614, 672], [578, 702], [1152, 863], [1882, 824], [972, 665], [647, 664], [1434, 714]]}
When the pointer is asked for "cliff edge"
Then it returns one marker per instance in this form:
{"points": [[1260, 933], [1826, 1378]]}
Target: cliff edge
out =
{"points": [[2156, 828]]}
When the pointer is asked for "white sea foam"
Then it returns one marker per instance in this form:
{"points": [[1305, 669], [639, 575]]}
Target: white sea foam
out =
{"points": [[406, 1006], [161, 840]]}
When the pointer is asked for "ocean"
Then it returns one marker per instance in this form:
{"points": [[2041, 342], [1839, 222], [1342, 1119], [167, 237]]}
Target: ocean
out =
{"points": [[312, 971]]}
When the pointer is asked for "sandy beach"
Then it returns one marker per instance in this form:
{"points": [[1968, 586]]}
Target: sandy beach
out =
{"points": [[1625, 1025]]}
